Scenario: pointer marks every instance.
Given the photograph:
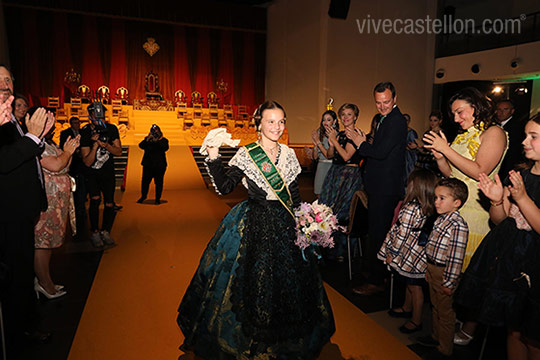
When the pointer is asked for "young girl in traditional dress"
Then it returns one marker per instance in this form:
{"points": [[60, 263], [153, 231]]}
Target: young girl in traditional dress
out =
{"points": [[404, 247], [253, 296], [502, 282]]}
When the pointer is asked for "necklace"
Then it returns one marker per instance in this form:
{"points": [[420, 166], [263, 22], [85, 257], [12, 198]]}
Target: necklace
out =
{"points": [[273, 150]]}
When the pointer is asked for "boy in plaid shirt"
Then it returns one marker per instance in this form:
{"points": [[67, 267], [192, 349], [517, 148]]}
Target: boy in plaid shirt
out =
{"points": [[445, 251]]}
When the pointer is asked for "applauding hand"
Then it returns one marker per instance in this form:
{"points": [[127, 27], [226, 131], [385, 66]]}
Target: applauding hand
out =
{"points": [[72, 144], [493, 190], [436, 141], [332, 135], [517, 189], [356, 135], [5, 111]]}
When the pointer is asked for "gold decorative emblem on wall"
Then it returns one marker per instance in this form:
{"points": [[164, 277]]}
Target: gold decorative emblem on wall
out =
{"points": [[151, 46]]}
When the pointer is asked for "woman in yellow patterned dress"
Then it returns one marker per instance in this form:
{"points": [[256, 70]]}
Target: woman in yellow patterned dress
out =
{"points": [[479, 149]]}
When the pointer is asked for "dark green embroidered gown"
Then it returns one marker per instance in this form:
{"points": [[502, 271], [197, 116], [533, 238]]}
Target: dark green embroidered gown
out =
{"points": [[253, 296]]}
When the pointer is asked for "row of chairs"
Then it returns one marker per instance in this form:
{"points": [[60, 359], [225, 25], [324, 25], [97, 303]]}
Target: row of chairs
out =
{"points": [[190, 115], [78, 108]]}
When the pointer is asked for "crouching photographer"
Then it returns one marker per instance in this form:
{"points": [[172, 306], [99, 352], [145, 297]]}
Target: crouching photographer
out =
{"points": [[154, 162], [99, 143]]}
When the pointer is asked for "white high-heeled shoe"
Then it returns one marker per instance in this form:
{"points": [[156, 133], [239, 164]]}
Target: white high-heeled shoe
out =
{"points": [[57, 287], [39, 289]]}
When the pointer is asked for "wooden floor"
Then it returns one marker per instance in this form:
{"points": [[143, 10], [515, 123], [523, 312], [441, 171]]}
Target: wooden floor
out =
{"points": [[131, 310]]}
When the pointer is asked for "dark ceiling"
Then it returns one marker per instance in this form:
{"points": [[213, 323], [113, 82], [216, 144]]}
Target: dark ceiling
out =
{"points": [[236, 14]]}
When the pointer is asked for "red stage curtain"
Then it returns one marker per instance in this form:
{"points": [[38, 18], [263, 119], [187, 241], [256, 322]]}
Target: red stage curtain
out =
{"points": [[181, 66], [118, 70], [91, 65], [61, 64], [225, 67], [45, 45]]}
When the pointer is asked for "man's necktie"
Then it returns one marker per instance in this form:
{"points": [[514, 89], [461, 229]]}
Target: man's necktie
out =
{"points": [[380, 121]]}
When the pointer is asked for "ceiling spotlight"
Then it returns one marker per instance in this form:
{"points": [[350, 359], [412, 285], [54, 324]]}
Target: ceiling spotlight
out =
{"points": [[497, 90], [440, 73], [521, 90], [514, 64], [475, 69]]}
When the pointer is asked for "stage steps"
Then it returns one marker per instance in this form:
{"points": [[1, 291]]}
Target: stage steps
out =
{"points": [[120, 163], [169, 124], [226, 154]]}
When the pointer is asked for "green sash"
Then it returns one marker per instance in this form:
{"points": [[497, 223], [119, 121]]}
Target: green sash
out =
{"points": [[271, 175]]}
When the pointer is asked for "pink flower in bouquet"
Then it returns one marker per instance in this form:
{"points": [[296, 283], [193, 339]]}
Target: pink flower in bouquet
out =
{"points": [[315, 224]]}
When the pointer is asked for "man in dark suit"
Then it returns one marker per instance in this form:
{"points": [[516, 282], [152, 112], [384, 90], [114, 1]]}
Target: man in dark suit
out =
{"points": [[516, 135], [73, 131], [383, 177], [22, 197], [76, 170]]}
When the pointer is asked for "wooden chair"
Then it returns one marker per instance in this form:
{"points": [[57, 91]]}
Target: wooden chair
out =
{"points": [[228, 112], [180, 98], [53, 102], [122, 94], [196, 104], [242, 113], [358, 224], [187, 121], [75, 107], [104, 94], [242, 117], [151, 86], [123, 117], [212, 100], [116, 108], [84, 93]]}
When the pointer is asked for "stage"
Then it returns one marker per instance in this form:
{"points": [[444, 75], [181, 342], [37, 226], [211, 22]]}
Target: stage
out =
{"points": [[131, 310], [181, 126]]}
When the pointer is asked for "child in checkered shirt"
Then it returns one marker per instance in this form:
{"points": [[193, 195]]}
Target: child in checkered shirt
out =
{"points": [[404, 247], [445, 251]]}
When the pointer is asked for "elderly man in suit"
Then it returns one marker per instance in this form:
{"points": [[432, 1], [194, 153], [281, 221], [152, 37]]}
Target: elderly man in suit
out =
{"points": [[383, 177], [516, 135], [23, 198]]}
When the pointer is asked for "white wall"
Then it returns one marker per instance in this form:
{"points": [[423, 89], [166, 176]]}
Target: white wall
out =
{"points": [[494, 64], [312, 57]]}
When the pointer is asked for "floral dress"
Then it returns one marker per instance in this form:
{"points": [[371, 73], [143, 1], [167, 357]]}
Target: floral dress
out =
{"points": [[50, 230], [475, 211]]}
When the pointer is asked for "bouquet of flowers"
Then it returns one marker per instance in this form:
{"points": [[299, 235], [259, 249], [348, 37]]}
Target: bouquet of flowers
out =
{"points": [[315, 224]]}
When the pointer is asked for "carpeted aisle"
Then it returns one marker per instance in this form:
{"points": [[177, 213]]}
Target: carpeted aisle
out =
{"points": [[131, 309]]}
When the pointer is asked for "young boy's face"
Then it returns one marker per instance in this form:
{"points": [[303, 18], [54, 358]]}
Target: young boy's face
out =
{"points": [[444, 200]]}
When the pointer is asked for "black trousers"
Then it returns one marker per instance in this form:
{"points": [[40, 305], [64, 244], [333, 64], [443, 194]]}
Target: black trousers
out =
{"points": [[380, 213], [17, 291], [152, 172]]}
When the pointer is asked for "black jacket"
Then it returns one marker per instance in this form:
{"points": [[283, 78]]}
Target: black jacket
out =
{"points": [[385, 158], [21, 192], [154, 152]]}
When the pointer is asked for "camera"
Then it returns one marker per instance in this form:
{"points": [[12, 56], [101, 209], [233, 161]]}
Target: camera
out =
{"points": [[102, 132], [155, 131]]}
